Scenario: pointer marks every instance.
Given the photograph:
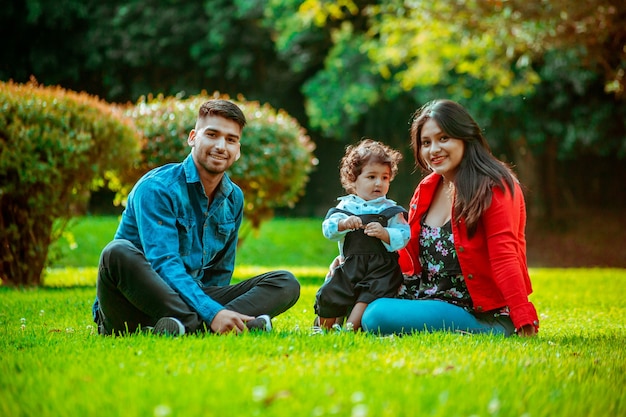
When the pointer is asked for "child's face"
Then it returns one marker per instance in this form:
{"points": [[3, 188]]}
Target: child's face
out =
{"points": [[373, 182]]}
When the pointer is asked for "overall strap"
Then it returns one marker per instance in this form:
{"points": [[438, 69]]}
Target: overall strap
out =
{"points": [[393, 210], [387, 213], [357, 242], [336, 210]]}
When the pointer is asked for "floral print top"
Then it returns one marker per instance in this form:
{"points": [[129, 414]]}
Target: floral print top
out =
{"points": [[441, 277]]}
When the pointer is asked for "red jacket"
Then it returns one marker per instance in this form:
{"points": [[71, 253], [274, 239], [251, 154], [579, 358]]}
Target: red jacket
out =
{"points": [[493, 261]]}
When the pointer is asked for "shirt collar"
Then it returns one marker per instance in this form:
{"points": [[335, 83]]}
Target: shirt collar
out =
{"points": [[356, 199], [191, 172], [192, 176]]}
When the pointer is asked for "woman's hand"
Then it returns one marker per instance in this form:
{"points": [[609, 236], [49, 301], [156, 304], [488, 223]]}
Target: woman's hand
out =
{"points": [[527, 331], [334, 265]]}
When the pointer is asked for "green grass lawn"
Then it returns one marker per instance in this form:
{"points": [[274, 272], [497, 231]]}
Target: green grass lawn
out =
{"points": [[284, 241], [53, 364]]}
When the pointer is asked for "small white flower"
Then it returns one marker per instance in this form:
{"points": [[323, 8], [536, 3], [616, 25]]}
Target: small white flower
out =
{"points": [[400, 363], [359, 410], [494, 406], [357, 397], [318, 411], [259, 393], [162, 410]]}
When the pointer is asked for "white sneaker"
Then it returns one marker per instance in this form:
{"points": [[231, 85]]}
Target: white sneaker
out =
{"points": [[169, 326], [262, 323]]}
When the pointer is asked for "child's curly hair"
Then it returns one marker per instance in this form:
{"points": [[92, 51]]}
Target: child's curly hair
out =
{"points": [[359, 155]]}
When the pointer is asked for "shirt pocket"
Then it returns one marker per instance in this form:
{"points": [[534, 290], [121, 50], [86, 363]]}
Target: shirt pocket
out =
{"points": [[225, 229], [186, 228]]}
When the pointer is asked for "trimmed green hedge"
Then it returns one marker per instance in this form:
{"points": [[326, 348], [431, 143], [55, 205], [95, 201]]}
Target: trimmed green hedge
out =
{"points": [[54, 145]]}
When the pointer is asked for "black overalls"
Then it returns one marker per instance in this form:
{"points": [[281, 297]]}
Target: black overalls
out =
{"points": [[369, 271]]}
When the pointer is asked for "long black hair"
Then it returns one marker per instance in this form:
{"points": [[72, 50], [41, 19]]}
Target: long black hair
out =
{"points": [[478, 171]]}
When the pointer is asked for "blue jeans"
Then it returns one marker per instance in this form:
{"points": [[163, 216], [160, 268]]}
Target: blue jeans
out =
{"points": [[398, 316]]}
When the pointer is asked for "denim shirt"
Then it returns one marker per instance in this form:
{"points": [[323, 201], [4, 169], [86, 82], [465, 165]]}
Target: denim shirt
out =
{"points": [[188, 243]]}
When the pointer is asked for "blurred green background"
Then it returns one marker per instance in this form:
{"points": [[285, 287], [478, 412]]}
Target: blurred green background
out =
{"points": [[544, 79]]}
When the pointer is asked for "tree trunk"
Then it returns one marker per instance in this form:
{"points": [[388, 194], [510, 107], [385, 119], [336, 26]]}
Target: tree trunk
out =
{"points": [[551, 192], [525, 165], [24, 239]]}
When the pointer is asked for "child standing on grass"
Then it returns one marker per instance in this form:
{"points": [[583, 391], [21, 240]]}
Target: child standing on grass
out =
{"points": [[369, 229]]}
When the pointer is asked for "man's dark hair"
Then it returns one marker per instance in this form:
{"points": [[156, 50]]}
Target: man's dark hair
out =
{"points": [[222, 108]]}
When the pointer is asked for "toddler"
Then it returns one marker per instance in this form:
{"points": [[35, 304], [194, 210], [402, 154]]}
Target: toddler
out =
{"points": [[369, 229]]}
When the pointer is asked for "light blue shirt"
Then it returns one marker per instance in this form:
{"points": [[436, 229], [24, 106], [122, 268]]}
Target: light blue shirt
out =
{"points": [[187, 242], [398, 228]]}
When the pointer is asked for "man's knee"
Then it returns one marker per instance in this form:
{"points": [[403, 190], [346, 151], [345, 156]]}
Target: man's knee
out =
{"points": [[117, 250], [291, 284], [286, 283]]}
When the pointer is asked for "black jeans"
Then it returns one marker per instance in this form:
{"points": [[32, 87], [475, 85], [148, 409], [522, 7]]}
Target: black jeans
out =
{"points": [[132, 295]]}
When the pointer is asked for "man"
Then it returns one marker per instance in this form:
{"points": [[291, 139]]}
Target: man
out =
{"points": [[171, 262]]}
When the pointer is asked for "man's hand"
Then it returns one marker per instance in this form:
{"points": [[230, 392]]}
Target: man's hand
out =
{"points": [[227, 321]]}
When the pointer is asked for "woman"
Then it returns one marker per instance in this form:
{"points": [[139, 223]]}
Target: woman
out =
{"points": [[465, 265]]}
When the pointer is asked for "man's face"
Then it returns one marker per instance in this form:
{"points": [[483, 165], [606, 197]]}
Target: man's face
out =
{"points": [[215, 144]]}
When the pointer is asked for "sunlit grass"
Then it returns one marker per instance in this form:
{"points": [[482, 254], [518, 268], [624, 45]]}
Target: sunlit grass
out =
{"points": [[280, 241], [52, 363], [70, 277]]}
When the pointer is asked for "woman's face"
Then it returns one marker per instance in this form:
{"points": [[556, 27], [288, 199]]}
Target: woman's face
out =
{"points": [[441, 153]]}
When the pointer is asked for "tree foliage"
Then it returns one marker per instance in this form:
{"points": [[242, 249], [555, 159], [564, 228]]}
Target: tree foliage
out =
{"points": [[532, 71], [544, 78], [595, 29], [383, 49], [123, 49], [479, 49], [53, 145], [139, 44]]}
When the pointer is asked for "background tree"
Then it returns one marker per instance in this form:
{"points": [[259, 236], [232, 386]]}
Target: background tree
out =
{"points": [[501, 59], [595, 30], [351, 68]]}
